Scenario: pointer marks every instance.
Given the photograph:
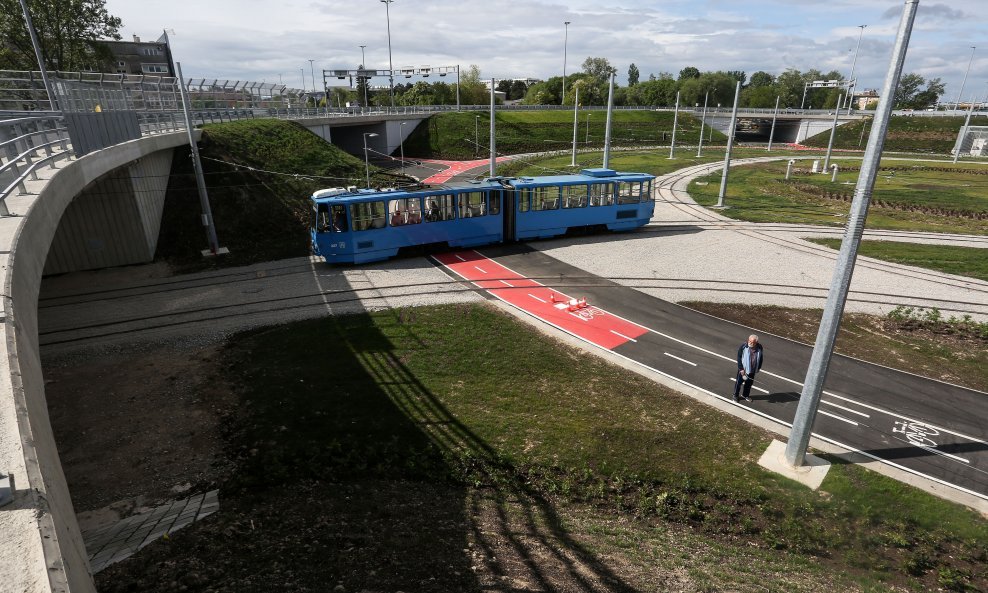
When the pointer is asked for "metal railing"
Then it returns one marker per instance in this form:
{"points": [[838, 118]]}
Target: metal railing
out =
{"points": [[29, 143]]}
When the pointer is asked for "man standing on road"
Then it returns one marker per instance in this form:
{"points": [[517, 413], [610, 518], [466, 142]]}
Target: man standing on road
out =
{"points": [[749, 363]]}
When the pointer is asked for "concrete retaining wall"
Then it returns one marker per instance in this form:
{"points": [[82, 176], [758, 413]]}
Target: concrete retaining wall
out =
{"points": [[43, 549]]}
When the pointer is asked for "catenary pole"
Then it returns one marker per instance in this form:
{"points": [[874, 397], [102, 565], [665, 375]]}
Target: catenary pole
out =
{"points": [[53, 103], [730, 146], [675, 122], [207, 212], [775, 114], [833, 132], [607, 128], [576, 117], [967, 121], [816, 373], [703, 119], [493, 145]]}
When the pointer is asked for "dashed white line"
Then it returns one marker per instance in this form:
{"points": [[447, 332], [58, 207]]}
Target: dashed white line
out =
{"points": [[620, 335], [932, 450], [841, 418], [506, 283], [823, 401], [676, 357], [536, 298], [479, 269], [459, 257]]}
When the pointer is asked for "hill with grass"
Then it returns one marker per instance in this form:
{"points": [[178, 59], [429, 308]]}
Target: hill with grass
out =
{"points": [[466, 135], [259, 176], [932, 135]]}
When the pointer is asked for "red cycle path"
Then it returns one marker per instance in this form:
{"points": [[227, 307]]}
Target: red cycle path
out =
{"points": [[455, 168], [589, 323]]}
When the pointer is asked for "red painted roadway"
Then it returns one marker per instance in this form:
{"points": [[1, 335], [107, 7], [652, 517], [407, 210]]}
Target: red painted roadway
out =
{"points": [[455, 168], [589, 323]]}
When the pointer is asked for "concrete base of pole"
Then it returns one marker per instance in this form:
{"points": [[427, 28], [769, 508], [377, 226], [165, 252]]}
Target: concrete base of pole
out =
{"points": [[811, 474], [219, 251], [719, 207]]}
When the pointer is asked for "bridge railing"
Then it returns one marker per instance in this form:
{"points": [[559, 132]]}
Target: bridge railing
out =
{"points": [[27, 144]]}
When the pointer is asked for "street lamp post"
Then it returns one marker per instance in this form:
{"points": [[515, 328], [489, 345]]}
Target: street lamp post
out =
{"points": [[854, 62], [576, 120], [366, 159], [391, 71], [966, 72], [562, 99], [312, 73], [363, 66], [476, 135], [587, 140], [703, 120], [401, 140]]}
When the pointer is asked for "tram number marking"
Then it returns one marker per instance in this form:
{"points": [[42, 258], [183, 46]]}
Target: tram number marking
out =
{"points": [[916, 433]]}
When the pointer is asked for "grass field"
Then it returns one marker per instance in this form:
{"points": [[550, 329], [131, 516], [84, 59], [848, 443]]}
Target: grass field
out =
{"points": [[563, 443], [963, 261], [937, 197], [930, 135]]}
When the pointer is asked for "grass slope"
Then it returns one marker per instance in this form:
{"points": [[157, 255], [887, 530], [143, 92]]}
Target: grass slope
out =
{"points": [[457, 135], [963, 261], [934, 135], [572, 457], [260, 214]]}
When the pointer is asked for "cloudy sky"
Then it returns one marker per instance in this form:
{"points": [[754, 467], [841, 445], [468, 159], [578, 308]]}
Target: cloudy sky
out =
{"points": [[271, 41]]}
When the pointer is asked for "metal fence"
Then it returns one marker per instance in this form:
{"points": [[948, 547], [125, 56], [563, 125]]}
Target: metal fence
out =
{"points": [[27, 144]]}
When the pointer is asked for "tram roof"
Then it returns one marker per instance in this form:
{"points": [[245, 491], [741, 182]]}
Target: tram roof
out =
{"points": [[584, 176]]}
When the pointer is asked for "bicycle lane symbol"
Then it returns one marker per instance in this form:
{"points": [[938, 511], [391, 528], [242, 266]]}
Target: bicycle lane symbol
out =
{"points": [[922, 436]]}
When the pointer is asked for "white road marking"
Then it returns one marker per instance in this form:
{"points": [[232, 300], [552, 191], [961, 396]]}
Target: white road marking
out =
{"points": [[623, 336], [479, 269], [841, 418], [676, 357], [932, 450], [506, 283], [536, 298], [755, 387], [844, 408], [457, 256]]}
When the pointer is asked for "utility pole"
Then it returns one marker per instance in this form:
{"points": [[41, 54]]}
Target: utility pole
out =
{"points": [[833, 132], [576, 117], [53, 103], [493, 145], [703, 120], [775, 114], [207, 212], [607, 128], [823, 349], [675, 122], [730, 145]]}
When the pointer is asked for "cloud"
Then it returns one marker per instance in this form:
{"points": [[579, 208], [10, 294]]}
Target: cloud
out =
{"points": [[934, 11]]}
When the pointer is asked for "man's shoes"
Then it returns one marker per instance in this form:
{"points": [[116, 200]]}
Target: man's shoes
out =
{"points": [[736, 400], [747, 398]]}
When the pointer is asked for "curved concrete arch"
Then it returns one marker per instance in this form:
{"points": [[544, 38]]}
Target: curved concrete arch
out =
{"points": [[43, 550]]}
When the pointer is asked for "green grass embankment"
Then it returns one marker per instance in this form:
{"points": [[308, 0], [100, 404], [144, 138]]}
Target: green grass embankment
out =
{"points": [[466, 135], [931, 135], [259, 175], [412, 394]]}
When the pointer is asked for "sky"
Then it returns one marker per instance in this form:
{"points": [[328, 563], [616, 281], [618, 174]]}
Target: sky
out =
{"points": [[274, 41]]}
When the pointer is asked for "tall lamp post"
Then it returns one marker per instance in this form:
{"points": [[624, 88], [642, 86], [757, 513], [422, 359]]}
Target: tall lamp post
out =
{"points": [[312, 73], [966, 72], [363, 66], [854, 62], [562, 99], [476, 135], [367, 160], [587, 140], [391, 68]]}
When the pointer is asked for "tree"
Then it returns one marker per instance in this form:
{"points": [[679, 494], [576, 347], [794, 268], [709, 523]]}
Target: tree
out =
{"points": [[362, 88], [760, 79], [688, 73], [598, 68], [738, 75], [69, 33], [909, 96], [472, 91], [633, 75], [518, 90], [930, 96]]}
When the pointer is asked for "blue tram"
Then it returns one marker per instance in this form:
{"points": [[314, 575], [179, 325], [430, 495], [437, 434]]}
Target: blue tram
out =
{"points": [[359, 226]]}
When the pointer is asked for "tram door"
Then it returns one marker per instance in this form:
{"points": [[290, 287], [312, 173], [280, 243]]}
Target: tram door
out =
{"points": [[508, 208]]}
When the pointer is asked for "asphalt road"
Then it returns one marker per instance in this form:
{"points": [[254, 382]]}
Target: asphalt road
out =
{"points": [[922, 426]]}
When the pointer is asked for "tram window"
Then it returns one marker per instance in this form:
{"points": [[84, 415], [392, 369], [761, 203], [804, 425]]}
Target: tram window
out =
{"points": [[495, 198], [574, 196], [339, 219], [404, 211], [647, 191], [629, 192], [322, 219], [472, 204], [367, 215], [439, 208], [601, 194], [524, 200], [546, 198]]}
